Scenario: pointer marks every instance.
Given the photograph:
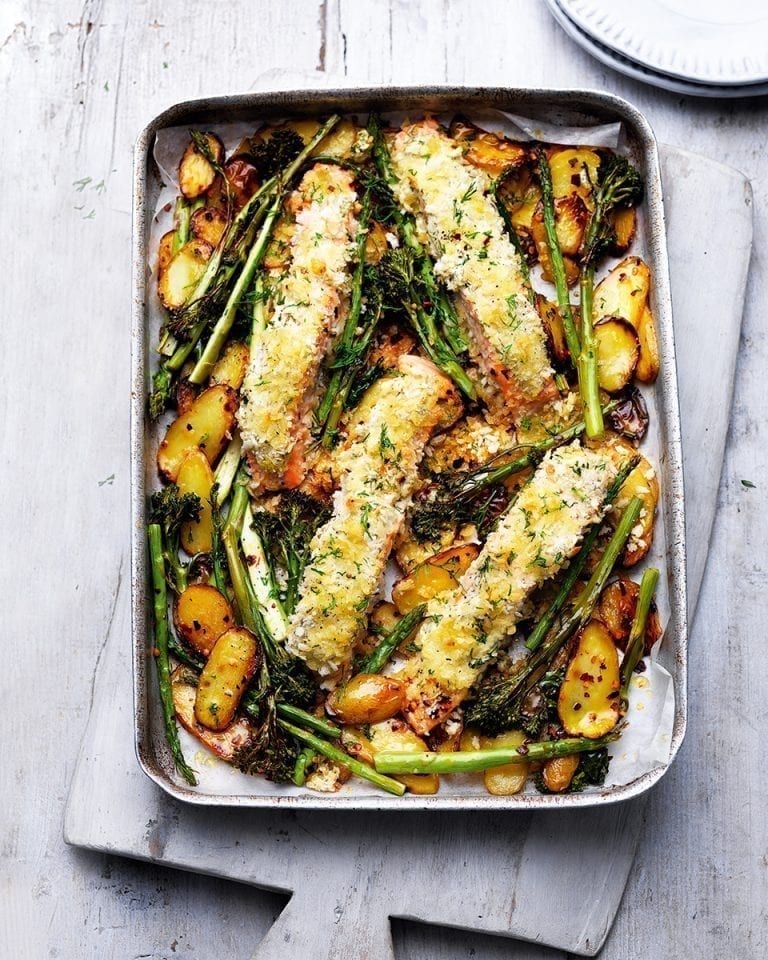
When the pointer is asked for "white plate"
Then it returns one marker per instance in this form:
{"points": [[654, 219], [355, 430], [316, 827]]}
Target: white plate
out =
{"points": [[720, 42], [637, 71]]}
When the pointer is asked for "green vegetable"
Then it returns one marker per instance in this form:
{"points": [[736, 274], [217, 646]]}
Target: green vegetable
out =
{"points": [[391, 640], [169, 510], [636, 641]]}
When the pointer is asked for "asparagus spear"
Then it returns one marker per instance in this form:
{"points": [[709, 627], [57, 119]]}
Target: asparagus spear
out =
{"points": [[391, 640], [157, 562], [636, 641], [471, 761]]}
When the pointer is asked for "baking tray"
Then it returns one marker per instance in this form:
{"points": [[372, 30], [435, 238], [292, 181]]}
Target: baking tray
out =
{"points": [[563, 107]]}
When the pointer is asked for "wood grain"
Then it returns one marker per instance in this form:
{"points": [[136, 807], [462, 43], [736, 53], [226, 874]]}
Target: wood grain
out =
{"points": [[78, 80]]}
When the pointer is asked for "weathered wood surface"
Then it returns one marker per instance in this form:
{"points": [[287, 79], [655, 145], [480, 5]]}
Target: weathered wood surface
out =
{"points": [[78, 81]]}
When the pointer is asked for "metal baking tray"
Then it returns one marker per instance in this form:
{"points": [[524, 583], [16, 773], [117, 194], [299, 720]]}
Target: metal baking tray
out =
{"points": [[564, 107]]}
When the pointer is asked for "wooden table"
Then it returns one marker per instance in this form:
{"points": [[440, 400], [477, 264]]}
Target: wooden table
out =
{"points": [[79, 80]]}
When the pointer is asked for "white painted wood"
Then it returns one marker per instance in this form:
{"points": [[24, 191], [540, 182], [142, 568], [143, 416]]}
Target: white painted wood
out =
{"points": [[351, 872], [78, 79]]}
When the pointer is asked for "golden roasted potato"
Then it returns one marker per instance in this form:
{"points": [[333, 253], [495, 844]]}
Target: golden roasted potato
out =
{"points": [[623, 292], [574, 170], [196, 173], [456, 560], [195, 476], [616, 610], [242, 177], [558, 772], [520, 194], [234, 659], [208, 224], [624, 221], [509, 779], [384, 617], [177, 282], [618, 351], [491, 152], [426, 582], [343, 142], [201, 614], [571, 216], [367, 698], [643, 483], [224, 744], [207, 424], [396, 736], [588, 702], [165, 250], [230, 368], [649, 361], [186, 393]]}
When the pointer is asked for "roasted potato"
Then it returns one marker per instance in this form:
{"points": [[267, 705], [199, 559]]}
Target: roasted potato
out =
{"points": [[208, 224], [426, 582], [396, 736], [224, 744], [649, 362], [177, 282], [345, 142], [230, 368], [588, 702], [571, 216], [553, 324], [616, 610], [509, 779], [456, 560], [207, 424], [376, 244], [618, 351], [624, 222], [195, 476], [186, 393], [234, 659], [491, 152], [643, 483], [623, 292], [574, 170], [201, 614], [367, 698], [520, 194], [558, 772], [196, 173], [165, 250], [384, 617]]}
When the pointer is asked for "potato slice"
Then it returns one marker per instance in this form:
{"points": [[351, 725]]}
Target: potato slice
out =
{"points": [[242, 177], [396, 736], [196, 174], [456, 560], [186, 393], [341, 143], [618, 351], [588, 702], [558, 772], [384, 617], [165, 250], [367, 698], [195, 476], [234, 659], [201, 614], [623, 292], [571, 216], [509, 779], [624, 220], [224, 744], [230, 368], [574, 171], [650, 361], [176, 283], [553, 324], [207, 424], [208, 224], [643, 483], [616, 609], [426, 582]]}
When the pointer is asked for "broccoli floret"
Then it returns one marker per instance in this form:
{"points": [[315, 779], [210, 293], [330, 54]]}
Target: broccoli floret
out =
{"points": [[274, 154], [170, 509], [271, 752]]}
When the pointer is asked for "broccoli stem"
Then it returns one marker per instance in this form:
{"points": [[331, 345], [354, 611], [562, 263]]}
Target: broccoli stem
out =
{"points": [[346, 342], [472, 761], [220, 332], [556, 256], [437, 348], [391, 640], [335, 753], [636, 641], [577, 565], [586, 362], [160, 601], [304, 759]]}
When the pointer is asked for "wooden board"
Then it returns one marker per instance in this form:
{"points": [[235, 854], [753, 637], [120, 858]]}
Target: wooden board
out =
{"points": [[349, 873]]}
